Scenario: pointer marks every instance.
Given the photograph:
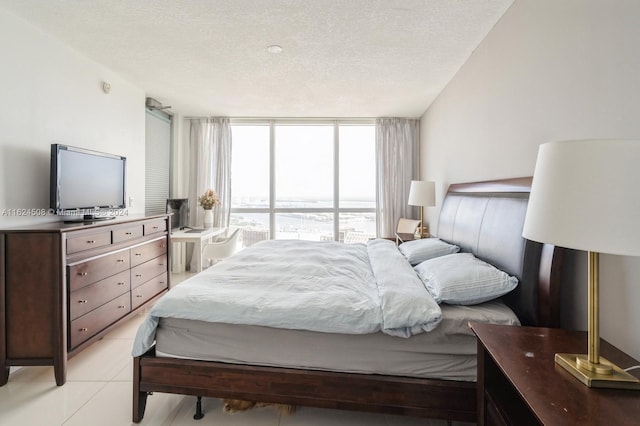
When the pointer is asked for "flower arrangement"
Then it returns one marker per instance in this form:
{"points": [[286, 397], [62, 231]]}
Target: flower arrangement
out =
{"points": [[209, 199]]}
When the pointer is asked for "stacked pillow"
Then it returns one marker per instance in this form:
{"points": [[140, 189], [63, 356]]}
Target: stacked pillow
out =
{"points": [[463, 279], [417, 251], [455, 278]]}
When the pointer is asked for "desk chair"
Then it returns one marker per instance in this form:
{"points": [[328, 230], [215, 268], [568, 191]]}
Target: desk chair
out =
{"points": [[406, 226], [220, 249]]}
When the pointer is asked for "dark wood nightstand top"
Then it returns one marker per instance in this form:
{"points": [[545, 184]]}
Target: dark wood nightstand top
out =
{"points": [[525, 356]]}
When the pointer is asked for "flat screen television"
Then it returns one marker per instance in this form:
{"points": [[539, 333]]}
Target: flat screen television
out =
{"points": [[180, 209], [86, 185]]}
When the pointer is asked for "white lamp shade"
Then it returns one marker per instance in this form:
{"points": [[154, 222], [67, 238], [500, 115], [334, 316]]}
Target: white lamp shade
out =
{"points": [[422, 193], [585, 195]]}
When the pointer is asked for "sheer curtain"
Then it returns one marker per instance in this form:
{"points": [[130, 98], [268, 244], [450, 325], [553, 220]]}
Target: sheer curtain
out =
{"points": [[210, 148], [210, 167], [397, 162]]}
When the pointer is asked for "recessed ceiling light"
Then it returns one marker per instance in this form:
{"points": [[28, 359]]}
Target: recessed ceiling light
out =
{"points": [[274, 48]]}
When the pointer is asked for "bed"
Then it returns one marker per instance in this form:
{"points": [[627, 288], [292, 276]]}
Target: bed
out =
{"points": [[484, 219]]}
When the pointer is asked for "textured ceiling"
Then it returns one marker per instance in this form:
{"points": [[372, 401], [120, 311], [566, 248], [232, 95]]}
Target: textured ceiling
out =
{"points": [[349, 58]]}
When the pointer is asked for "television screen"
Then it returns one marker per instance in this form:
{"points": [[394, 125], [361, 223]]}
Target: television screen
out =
{"points": [[85, 182]]}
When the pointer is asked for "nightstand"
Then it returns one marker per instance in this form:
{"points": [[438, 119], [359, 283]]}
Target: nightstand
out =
{"points": [[519, 382]]}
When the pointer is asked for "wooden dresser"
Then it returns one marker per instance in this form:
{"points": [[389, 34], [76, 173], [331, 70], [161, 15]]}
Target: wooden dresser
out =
{"points": [[64, 286]]}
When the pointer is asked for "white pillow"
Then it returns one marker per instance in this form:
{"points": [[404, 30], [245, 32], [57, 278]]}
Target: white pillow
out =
{"points": [[417, 251], [463, 279]]}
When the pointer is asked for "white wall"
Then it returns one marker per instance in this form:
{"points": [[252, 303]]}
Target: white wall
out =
{"points": [[50, 93], [549, 70]]}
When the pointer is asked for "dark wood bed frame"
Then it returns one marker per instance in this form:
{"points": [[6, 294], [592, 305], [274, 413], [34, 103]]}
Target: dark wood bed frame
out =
{"points": [[485, 218]]}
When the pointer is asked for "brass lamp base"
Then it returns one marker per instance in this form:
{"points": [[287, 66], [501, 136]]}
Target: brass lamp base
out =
{"points": [[604, 375]]}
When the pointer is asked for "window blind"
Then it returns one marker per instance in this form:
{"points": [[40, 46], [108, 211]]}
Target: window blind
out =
{"points": [[157, 161]]}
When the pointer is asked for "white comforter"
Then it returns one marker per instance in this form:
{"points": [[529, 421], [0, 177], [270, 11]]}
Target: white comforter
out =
{"points": [[317, 286]]}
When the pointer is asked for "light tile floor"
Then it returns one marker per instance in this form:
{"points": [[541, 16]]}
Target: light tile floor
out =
{"points": [[98, 392]]}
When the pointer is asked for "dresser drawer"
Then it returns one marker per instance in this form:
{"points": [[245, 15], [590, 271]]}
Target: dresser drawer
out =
{"points": [[148, 251], [155, 226], [145, 271], [92, 323], [94, 295], [127, 233], [146, 291], [88, 241], [91, 271]]}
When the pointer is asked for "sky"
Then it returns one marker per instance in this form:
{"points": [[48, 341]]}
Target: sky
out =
{"points": [[304, 162]]}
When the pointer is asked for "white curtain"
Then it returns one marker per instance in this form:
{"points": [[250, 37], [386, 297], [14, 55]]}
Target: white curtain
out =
{"points": [[210, 168], [210, 148], [397, 162]]}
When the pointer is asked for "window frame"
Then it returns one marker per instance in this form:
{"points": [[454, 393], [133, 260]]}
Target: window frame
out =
{"points": [[272, 210]]}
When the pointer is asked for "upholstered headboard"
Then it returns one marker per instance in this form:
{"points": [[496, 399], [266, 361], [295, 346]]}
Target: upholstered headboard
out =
{"points": [[486, 219]]}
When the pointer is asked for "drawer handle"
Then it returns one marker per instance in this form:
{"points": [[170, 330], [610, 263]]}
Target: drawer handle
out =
{"points": [[83, 329], [121, 306], [121, 283], [139, 295], [138, 254], [160, 264], [83, 301], [91, 241], [139, 275], [120, 260], [128, 233], [162, 282], [155, 227], [83, 274], [162, 245]]}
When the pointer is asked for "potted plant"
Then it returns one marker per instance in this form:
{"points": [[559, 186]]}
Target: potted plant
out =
{"points": [[208, 201]]}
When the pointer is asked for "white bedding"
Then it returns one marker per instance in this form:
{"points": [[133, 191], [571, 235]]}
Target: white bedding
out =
{"points": [[302, 285], [448, 352]]}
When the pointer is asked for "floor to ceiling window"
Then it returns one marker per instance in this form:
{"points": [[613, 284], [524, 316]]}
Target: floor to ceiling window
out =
{"points": [[310, 180]]}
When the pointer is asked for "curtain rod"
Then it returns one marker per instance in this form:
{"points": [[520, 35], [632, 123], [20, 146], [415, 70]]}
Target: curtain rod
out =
{"points": [[286, 118]]}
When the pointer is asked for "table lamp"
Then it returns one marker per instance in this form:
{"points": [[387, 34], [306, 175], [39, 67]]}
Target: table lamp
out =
{"points": [[423, 194], [584, 196]]}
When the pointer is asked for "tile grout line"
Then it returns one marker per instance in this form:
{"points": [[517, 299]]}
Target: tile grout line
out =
{"points": [[104, 385]]}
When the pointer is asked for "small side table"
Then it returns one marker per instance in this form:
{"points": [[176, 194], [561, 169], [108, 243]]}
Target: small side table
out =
{"points": [[198, 237], [520, 384]]}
